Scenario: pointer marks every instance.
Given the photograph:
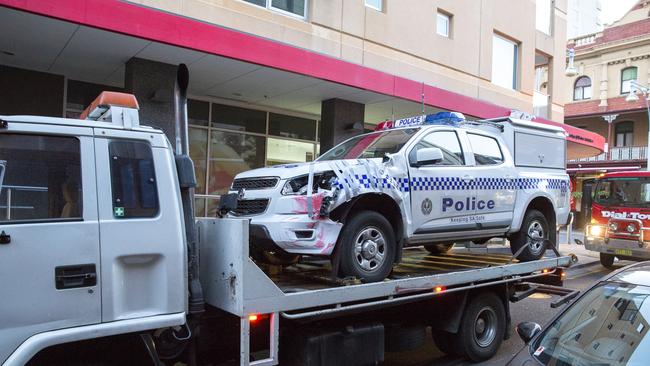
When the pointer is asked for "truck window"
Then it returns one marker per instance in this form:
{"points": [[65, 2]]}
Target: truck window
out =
{"points": [[627, 192], [42, 178], [447, 141], [486, 149], [133, 179]]}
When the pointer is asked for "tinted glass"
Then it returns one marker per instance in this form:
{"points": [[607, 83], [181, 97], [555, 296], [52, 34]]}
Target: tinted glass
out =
{"points": [[231, 154], [257, 2], [238, 119], [198, 112], [292, 6], [42, 178], [627, 192], [372, 145], [607, 326], [447, 142], [486, 150], [133, 179], [199, 155], [292, 127]]}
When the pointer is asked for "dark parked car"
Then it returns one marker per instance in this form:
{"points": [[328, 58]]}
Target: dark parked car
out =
{"points": [[607, 325]]}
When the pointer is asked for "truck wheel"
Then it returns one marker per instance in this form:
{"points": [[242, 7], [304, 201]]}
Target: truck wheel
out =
{"points": [[533, 234], [439, 248], [367, 243], [607, 260], [482, 329]]}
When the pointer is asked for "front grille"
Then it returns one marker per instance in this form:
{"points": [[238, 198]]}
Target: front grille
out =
{"points": [[254, 183], [251, 207]]}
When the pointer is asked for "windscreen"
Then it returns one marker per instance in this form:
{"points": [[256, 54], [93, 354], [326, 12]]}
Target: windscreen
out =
{"points": [[606, 326], [626, 192], [372, 145]]}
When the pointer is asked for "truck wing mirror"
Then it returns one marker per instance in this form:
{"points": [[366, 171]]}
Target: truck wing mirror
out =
{"points": [[3, 166], [428, 156], [528, 330]]}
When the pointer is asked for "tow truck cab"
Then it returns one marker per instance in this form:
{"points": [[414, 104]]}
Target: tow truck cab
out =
{"points": [[619, 223]]}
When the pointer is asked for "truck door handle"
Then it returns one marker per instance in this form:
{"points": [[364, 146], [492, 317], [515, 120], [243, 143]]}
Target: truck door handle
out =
{"points": [[5, 238], [509, 178], [468, 178], [82, 275]]}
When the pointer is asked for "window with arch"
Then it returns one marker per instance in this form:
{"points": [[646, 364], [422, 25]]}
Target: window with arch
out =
{"points": [[628, 75], [582, 88], [624, 132]]}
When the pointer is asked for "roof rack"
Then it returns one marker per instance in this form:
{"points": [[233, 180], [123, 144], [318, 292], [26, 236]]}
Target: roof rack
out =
{"points": [[489, 123]]}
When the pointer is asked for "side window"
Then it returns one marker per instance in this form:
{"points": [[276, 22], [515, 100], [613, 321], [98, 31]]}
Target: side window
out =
{"points": [[486, 150], [133, 179], [42, 178], [447, 141]]}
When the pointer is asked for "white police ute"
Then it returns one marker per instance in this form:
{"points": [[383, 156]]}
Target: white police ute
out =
{"points": [[429, 180]]}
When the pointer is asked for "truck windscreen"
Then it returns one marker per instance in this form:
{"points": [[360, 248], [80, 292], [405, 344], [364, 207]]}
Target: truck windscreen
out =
{"points": [[625, 192], [372, 145]]}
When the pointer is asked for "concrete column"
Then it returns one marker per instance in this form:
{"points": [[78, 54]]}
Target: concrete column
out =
{"points": [[152, 83], [340, 120]]}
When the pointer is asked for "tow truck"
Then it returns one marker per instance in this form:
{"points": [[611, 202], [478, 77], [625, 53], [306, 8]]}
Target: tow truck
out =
{"points": [[619, 217], [102, 261]]}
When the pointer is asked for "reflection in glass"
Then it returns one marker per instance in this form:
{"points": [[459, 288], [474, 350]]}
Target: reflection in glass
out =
{"points": [[292, 127], [607, 326], [199, 154], [286, 151], [238, 119], [230, 154], [199, 207]]}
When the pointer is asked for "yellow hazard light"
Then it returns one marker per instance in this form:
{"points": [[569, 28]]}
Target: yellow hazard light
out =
{"points": [[253, 317], [439, 289]]}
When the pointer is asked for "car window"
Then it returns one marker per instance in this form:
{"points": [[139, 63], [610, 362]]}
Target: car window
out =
{"points": [[627, 192], [133, 179], [606, 326], [447, 142], [486, 149], [42, 178], [371, 145]]}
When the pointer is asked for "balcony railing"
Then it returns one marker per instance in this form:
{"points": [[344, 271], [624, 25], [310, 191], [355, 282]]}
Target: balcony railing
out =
{"points": [[617, 154]]}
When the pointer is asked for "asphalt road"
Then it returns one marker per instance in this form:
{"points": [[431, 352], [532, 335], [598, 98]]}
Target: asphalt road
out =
{"points": [[535, 308]]}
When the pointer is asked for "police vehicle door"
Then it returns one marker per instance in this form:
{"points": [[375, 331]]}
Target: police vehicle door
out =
{"points": [[494, 181], [441, 193]]}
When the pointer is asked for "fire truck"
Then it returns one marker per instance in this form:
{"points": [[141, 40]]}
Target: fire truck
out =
{"points": [[103, 262], [619, 212]]}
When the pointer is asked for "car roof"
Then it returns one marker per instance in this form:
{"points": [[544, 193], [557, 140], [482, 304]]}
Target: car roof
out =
{"points": [[636, 274]]}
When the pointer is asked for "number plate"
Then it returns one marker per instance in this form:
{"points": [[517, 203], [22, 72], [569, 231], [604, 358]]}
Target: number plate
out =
{"points": [[627, 252]]}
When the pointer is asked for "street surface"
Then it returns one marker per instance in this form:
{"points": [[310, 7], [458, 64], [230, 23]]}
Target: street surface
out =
{"points": [[535, 308]]}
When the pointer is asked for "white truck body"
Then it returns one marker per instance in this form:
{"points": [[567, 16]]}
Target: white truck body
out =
{"points": [[437, 203]]}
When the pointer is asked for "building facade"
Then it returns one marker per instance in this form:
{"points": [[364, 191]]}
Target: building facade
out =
{"points": [[277, 81], [607, 62], [583, 17]]}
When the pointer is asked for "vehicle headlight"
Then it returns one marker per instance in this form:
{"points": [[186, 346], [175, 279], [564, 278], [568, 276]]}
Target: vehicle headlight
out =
{"points": [[631, 228], [298, 185], [595, 230]]}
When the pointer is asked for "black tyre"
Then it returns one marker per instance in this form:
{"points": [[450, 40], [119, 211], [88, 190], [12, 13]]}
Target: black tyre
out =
{"points": [[607, 260], [368, 245], [533, 234], [482, 328], [439, 248], [444, 341]]}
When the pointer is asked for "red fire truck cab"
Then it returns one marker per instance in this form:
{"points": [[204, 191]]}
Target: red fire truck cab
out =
{"points": [[620, 217]]}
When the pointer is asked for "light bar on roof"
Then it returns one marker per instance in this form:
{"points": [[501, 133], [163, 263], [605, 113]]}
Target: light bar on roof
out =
{"points": [[102, 104], [440, 118]]}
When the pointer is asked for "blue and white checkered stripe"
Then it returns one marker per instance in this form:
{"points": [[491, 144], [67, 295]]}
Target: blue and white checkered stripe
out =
{"points": [[452, 183]]}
